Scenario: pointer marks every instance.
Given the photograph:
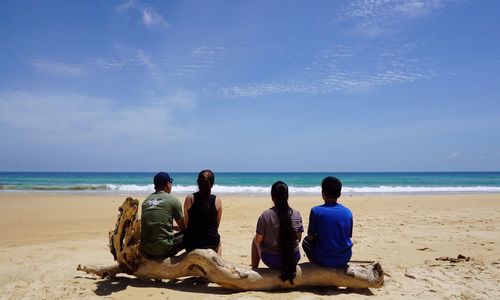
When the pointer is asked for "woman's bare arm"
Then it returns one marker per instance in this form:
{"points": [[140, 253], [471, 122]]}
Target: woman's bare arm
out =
{"points": [[188, 202]]}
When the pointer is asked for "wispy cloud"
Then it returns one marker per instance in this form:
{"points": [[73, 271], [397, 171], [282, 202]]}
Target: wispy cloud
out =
{"points": [[373, 18], [128, 57], [190, 61], [127, 5], [109, 64], [207, 50], [344, 69], [149, 16], [82, 118], [372, 9], [152, 19], [174, 62], [59, 68], [358, 83], [183, 99], [137, 56], [265, 89], [125, 58], [336, 82]]}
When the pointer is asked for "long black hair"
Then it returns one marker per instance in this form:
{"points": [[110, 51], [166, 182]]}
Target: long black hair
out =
{"points": [[206, 180], [287, 234]]}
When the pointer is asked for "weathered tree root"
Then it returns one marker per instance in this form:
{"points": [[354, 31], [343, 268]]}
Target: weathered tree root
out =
{"points": [[103, 272], [124, 245]]}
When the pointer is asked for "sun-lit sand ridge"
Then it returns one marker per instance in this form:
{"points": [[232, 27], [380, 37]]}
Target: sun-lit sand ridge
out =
{"points": [[45, 236]]}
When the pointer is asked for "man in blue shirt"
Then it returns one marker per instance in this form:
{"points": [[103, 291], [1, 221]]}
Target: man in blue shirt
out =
{"points": [[328, 241]]}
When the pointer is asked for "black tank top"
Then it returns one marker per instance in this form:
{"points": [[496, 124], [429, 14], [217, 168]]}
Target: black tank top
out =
{"points": [[201, 232]]}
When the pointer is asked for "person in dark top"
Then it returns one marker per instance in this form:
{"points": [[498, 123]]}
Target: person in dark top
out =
{"points": [[328, 241], [202, 215], [278, 233]]}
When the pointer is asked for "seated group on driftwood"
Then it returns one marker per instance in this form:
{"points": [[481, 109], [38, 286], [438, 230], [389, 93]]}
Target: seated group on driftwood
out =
{"points": [[147, 248], [278, 233]]}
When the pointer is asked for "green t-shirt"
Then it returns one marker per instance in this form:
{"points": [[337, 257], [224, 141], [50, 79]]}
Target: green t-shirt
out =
{"points": [[158, 211]]}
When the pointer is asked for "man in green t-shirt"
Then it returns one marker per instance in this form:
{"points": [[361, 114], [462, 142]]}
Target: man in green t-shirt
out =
{"points": [[158, 212]]}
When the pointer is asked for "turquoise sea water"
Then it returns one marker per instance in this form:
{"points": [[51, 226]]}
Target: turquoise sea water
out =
{"points": [[255, 183]]}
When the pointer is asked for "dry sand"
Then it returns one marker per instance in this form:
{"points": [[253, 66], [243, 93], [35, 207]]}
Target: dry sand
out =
{"points": [[43, 238]]}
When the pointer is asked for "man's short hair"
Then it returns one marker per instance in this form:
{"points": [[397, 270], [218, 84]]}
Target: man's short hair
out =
{"points": [[331, 187], [160, 180]]}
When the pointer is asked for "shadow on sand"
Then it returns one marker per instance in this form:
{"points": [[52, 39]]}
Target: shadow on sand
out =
{"points": [[106, 287]]}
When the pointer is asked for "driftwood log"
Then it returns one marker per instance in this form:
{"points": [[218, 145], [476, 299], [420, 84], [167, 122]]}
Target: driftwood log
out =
{"points": [[124, 245]]}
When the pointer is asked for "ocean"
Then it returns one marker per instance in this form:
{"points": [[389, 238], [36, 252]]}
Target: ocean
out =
{"points": [[254, 183]]}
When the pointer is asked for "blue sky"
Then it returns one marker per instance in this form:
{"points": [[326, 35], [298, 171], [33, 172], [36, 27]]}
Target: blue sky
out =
{"points": [[362, 85]]}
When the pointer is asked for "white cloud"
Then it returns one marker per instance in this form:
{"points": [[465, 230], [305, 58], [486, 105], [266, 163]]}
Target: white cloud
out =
{"points": [[109, 64], [373, 9], [264, 89], [129, 57], [152, 19], [374, 18], [371, 29], [149, 16], [79, 118], [182, 99], [335, 82], [138, 55], [418, 8], [126, 58], [207, 50], [363, 8], [332, 71], [454, 155], [127, 6], [189, 61], [174, 61], [345, 68], [59, 68]]}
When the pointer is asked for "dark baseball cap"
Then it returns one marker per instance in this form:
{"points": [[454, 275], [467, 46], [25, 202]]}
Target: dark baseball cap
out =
{"points": [[161, 179]]}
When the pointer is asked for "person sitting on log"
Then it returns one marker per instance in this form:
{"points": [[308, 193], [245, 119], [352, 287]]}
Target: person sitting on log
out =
{"points": [[328, 241], [158, 212], [278, 234], [203, 212]]}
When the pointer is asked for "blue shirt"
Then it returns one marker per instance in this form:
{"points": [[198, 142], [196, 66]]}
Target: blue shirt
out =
{"points": [[331, 223]]}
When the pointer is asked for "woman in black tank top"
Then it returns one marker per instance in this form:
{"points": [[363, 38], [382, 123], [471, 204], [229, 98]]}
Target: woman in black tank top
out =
{"points": [[202, 214]]}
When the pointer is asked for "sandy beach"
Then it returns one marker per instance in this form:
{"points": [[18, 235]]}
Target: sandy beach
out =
{"points": [[45, 236]]}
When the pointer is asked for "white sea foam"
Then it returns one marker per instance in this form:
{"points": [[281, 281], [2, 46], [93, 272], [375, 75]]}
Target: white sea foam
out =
{"points": [[240, 189], [257, 190], [421, 189], [130, 187], [147, 188]]}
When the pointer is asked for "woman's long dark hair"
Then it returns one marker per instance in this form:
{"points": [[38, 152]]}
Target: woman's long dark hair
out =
{"points": [[206, 180], [287, 235]]}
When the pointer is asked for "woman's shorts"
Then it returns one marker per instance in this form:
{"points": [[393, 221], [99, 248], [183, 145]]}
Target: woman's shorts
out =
{"points": [[273, 261]]}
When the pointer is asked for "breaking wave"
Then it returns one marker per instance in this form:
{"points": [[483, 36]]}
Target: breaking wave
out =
{"points": [[242, 189]]}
